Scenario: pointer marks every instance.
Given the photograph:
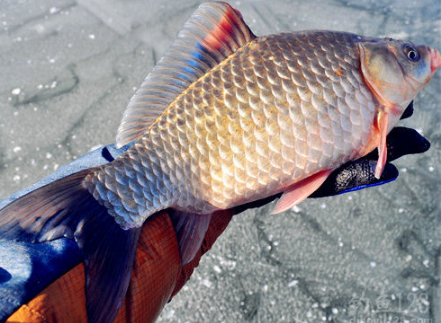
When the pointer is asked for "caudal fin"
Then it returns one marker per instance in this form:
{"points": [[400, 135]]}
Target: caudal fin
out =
{"points": [[66, 208]]}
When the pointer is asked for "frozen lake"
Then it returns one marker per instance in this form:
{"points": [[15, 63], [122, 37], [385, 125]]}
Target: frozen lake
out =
{"points": [[69, 69]]}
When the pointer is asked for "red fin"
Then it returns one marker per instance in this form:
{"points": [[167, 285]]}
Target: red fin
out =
{"points": [[190, 231], [299, 191], [382, 122]]}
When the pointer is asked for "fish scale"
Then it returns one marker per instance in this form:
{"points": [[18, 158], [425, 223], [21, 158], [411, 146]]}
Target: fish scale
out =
{"points": [[281, 108]]}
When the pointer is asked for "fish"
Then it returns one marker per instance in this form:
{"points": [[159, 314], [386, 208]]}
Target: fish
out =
{"points": [[225, 118]]}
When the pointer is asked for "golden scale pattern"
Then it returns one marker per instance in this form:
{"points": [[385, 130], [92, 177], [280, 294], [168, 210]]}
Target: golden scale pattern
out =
{"points": [[280, 109]]}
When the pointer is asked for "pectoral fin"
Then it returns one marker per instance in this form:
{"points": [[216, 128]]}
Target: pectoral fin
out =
{"points": [[299, 191], [382, 123]]}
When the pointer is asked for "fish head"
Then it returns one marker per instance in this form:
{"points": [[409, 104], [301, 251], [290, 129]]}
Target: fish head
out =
{"points": [[397, 70]]}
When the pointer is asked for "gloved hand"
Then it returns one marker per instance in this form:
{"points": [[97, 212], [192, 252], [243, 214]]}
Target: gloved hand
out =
{"points": [[158, 275]]}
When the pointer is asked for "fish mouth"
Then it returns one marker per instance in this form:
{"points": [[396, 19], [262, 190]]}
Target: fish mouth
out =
{"points": [[435, 59]]}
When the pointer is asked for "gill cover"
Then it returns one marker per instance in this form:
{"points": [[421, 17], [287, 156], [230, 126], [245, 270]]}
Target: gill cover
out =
{"points": [[382, 72], [395, 70]]}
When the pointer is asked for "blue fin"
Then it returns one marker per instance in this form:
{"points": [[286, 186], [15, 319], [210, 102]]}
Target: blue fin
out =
{"points": [[66, 208], [190, 231], [213, 32]]}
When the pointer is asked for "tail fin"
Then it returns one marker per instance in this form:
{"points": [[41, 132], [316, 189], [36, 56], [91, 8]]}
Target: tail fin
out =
{"points": [[66, 208]]}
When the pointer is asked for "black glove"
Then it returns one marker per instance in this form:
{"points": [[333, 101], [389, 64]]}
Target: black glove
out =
{"points": [[359, 174]]}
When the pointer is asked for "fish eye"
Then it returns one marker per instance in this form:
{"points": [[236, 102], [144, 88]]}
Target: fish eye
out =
{"points": [[411, 53]]}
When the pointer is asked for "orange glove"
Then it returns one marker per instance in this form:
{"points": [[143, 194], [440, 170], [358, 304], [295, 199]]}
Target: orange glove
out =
{"points": [[156, 277]]}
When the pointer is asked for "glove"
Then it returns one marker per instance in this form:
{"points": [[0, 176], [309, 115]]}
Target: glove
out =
{"points": [[158, 275]]}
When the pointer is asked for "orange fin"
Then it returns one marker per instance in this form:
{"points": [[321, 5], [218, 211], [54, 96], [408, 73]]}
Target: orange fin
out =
{"points": [[382, 122], [299, 191]]}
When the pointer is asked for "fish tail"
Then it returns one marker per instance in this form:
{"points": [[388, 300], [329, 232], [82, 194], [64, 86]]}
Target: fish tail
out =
{"points": [[65, 208]]}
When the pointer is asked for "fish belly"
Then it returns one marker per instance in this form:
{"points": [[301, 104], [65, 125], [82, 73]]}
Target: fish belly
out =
{"points": [[280, 109]]}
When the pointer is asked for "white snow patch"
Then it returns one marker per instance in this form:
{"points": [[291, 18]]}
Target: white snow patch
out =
{"points": [[229, 264], [293, 283], [169, 314], [16, 91], [206, 283], [16, 149], [296, 209]]}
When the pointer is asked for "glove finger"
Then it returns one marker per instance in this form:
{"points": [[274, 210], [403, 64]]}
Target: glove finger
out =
{"points": [[355, 176], [408, 112], [405, 141], [402, 141]]}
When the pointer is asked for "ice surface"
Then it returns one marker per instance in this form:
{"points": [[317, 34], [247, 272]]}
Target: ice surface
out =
{"points": [[68, 69]]}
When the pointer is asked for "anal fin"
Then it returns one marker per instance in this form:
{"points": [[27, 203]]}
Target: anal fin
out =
{"points": [[299, 191], [190, 231]]}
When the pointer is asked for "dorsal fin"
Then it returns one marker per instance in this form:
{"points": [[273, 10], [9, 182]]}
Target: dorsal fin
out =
{"points": [[210, 35]]}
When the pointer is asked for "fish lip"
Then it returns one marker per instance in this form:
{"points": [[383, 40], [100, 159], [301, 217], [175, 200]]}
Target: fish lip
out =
{"points": [[435, 59]]}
